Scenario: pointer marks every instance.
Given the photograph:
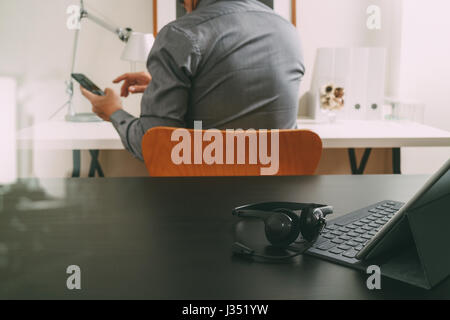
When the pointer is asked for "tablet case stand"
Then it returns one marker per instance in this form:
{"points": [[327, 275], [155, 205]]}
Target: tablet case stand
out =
{"points": [[417, 249]]}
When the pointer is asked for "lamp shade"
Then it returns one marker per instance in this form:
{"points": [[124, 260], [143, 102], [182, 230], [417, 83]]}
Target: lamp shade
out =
{"points": [[138, 47]]}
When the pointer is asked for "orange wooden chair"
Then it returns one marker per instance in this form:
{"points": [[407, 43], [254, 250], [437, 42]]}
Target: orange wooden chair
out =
{"points": [[299, 154]]}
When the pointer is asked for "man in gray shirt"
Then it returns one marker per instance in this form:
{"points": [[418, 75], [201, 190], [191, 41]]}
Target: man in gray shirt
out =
{"points": [[228, 63]]}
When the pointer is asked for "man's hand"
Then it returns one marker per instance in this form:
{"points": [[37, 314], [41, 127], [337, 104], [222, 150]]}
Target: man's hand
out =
{"points": [[133, 82], [103, 106]]}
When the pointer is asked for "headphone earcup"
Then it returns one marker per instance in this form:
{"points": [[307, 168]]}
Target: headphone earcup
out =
{"points": [[282, 228], [310, 225]]}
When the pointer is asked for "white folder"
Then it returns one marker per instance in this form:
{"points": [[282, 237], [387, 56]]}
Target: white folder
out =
{"points": [[361, 71]]}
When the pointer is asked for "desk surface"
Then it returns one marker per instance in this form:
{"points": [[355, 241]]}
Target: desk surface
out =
{"points": [[342, 134], [171, 239]]}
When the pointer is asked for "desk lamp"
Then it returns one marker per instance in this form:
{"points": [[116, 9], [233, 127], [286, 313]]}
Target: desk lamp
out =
{"points": [[137, 50]]}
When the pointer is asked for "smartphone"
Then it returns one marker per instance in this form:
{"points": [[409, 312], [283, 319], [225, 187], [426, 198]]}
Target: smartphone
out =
{"points": [[87, 84]]}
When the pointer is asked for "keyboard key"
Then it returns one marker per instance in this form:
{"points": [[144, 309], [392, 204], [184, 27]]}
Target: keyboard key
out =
{"points": [[384, 213], [380, 208], [350, 253], [345, 237], [391, 203], [352, 243], [373, 232], [359, 248], [376, 215], [336, 251], [374, 225], [320, 241], [359, 224], [373, 210], [344, 229], [353, 234], [360, 231], [367, 228], [360, 240], [338, 241], [397, 206], [344, 247], [366, 236], [329, 236], [332, 227], [337, 233], [365, 221], [371, 218], [385, 219], [352, 226], [339, 224], [389, 210], [326, 246], [381, 222]]}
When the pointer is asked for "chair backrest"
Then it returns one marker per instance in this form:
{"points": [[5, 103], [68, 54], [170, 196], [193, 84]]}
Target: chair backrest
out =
{"points": [[299, 152]]}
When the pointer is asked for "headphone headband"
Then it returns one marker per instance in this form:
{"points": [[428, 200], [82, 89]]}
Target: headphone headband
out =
{"points": [[270, 206]]}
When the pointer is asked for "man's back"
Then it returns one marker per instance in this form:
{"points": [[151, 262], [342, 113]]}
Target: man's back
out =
{"points": [[229, 64], [250, 68]]}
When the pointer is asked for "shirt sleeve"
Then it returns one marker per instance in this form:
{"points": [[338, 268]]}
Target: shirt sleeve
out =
{"points": [[172, 63]]}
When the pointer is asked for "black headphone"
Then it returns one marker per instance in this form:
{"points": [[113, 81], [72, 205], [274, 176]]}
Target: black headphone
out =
{"points": [[283, 226]]}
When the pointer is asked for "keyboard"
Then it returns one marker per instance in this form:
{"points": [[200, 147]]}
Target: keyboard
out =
{"points": [[345, 236]]}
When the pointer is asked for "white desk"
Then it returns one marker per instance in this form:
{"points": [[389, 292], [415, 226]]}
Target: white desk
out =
{"points": [[60, 135], [342, 134], [377, 134]]}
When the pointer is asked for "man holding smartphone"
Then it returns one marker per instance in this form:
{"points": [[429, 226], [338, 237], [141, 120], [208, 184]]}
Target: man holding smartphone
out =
{"points": [[228, 63]]}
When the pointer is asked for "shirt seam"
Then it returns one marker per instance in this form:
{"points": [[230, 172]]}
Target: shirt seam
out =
{"points": [[190, 37]]}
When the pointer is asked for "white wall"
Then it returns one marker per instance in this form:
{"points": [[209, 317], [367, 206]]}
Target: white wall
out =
{"points": [[331, 23], [8, 162], [36, 50], [425, 74]]}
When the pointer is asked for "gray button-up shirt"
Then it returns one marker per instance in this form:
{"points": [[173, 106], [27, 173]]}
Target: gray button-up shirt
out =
{"points": [[230, 64]]}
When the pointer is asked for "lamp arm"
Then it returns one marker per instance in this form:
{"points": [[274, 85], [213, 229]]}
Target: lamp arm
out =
{"points": [[123, 33], [69, 83]]}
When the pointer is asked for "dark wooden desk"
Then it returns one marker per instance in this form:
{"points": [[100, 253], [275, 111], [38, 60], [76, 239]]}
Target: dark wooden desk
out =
{"points": [[171, 239]]}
